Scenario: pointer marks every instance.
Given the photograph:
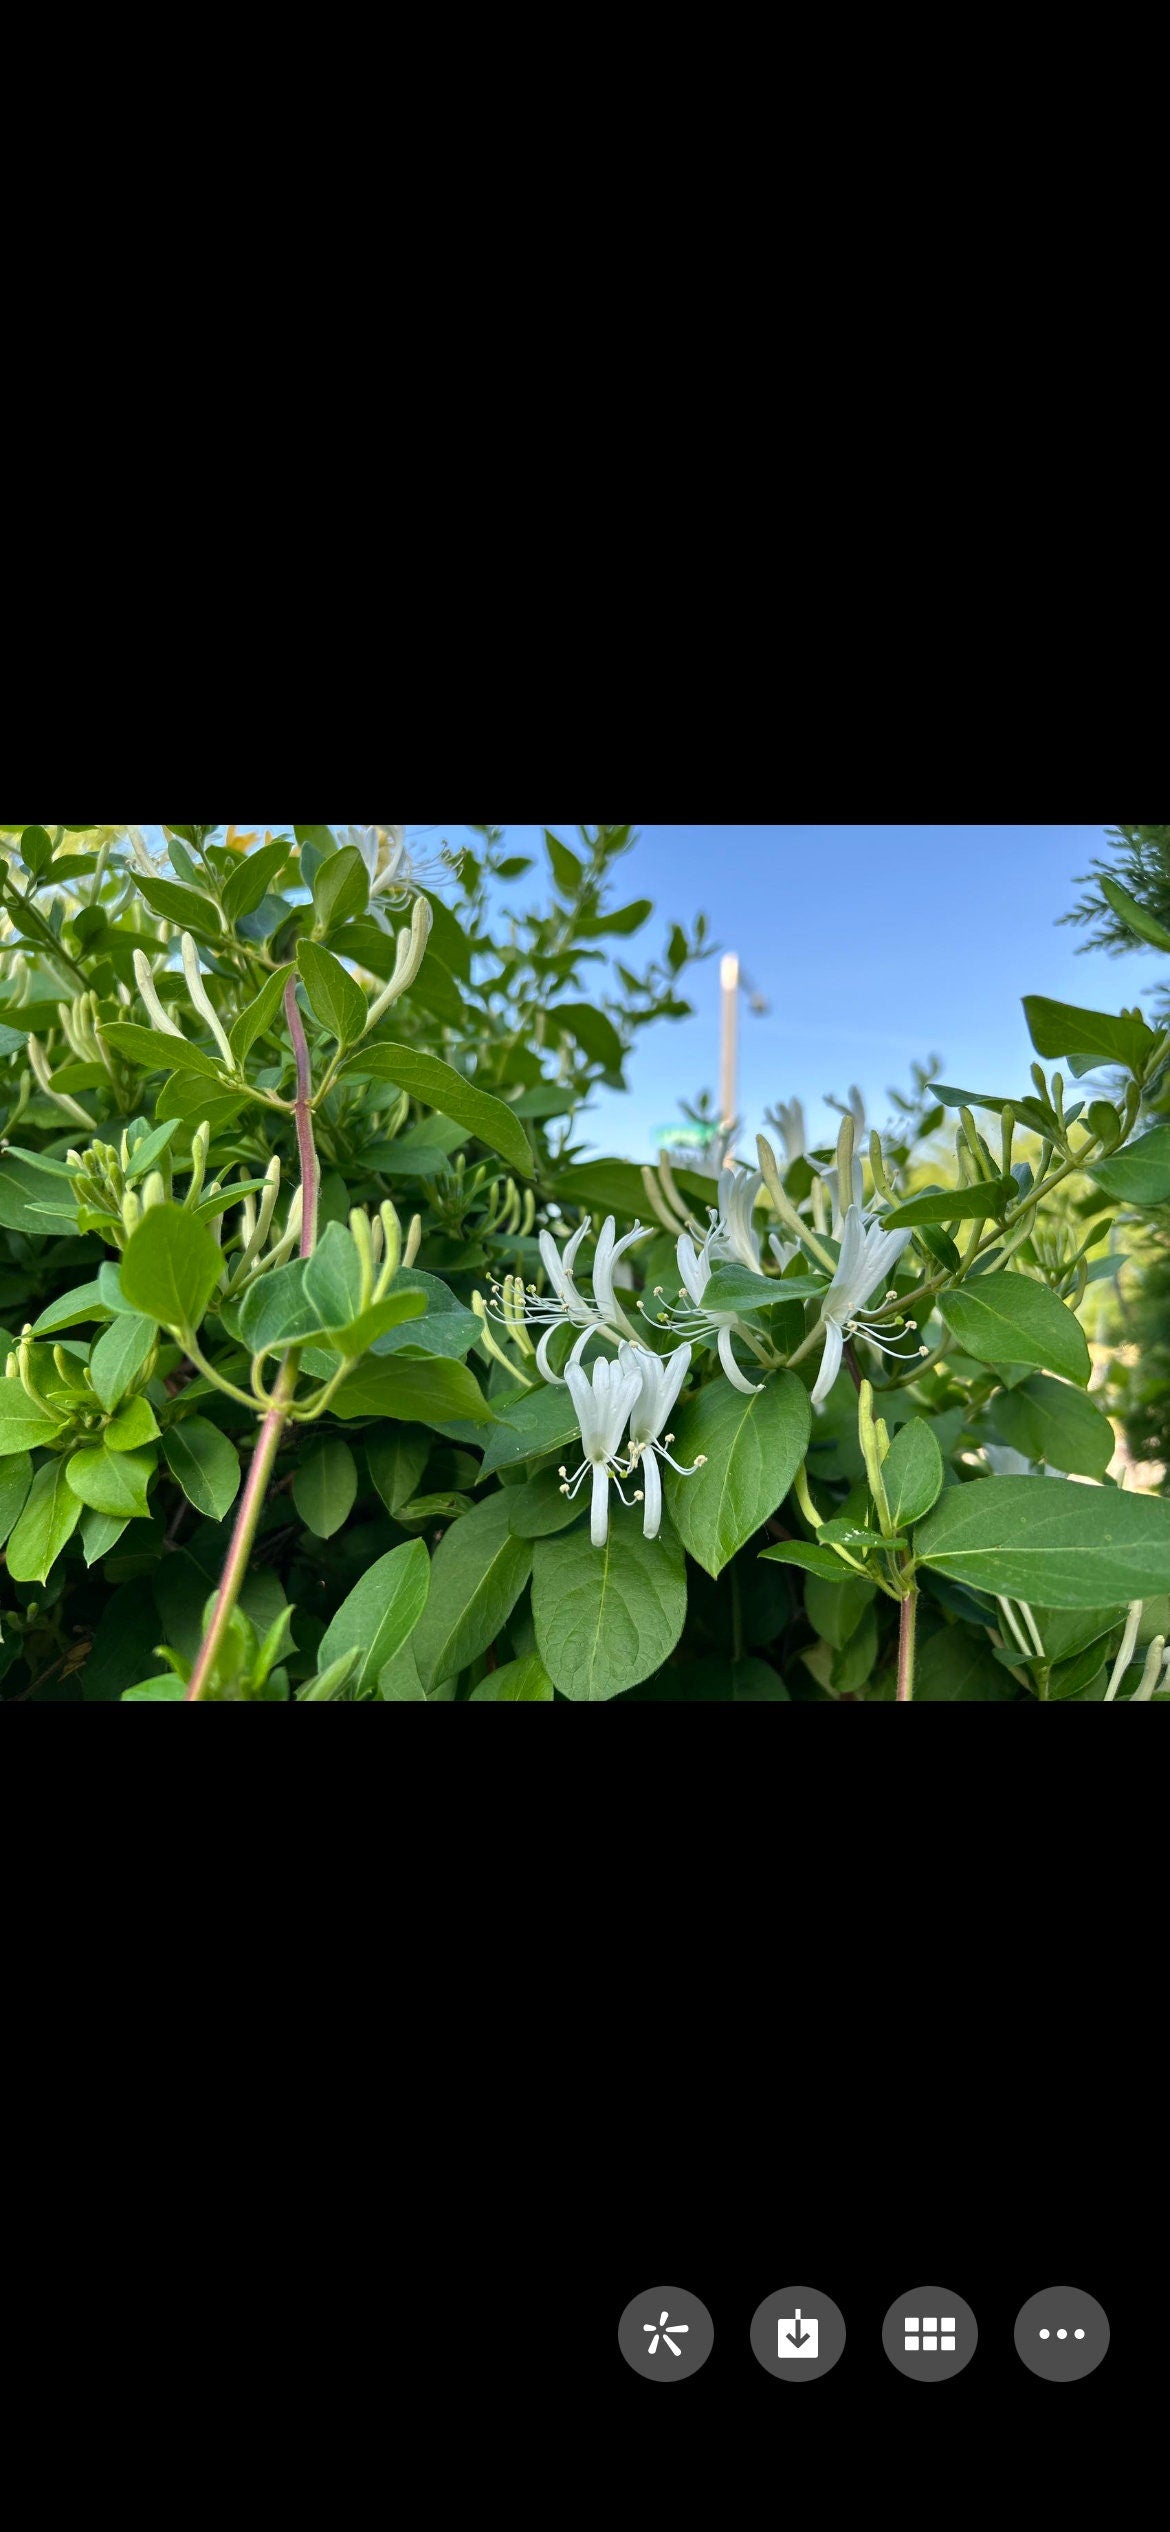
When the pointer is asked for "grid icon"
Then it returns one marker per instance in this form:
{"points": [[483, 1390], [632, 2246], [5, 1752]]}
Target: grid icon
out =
{"points": [[934, 2336]]}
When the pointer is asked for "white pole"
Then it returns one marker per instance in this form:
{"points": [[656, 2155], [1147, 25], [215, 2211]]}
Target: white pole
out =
{"points": [[729, 979]]}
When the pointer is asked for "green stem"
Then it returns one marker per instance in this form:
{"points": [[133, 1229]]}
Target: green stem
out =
{"points": [[243, 1536], [264, 1455]]}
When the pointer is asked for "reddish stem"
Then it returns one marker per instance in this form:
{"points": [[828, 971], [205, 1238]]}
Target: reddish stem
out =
{"points": [[304, 1115]]}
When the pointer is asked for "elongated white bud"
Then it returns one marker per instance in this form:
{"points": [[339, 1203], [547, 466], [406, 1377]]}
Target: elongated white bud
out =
{"points": [[1125, 1650], [413, 1240], [1150, 1676], [141, 856], [409, 952], [203, 1002], [146, 987]]}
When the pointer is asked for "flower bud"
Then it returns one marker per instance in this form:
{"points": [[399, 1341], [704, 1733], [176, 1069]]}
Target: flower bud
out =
{"points": [[154, 1192]]}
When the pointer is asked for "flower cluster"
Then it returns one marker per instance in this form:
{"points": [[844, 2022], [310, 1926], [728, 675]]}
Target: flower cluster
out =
{"points": [[638, 1390]]}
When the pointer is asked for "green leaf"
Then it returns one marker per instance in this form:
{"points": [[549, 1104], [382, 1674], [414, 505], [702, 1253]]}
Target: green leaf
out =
{"points": [[1006, 1318], [277, 1310], [836, 1609], [1146, 926], [325, 1487], [448, 939], [119, 1356], [529, 1426], [36, 849], [446, 1327], [957, 1668], [33, 1198], [396, 1461], [49, 1518], [380, 1613], [810, 1558], [23, 1424], [341, 888], [170, 1267], [594, 1033], [437, 1085], [132, 1427], [1140, 1174], [1060, 1028], [419, 1393], [15, 1480], [524, 1683], [435, 989], [591, 927], [181, 906], [367, 1331], [1057, 1544], [541, 1507], [337, 1001], [479, 1572], [250, 882], [84, 1303], [166, 1690], [149, 1149], [155, 1051], [753, 1448], [567, 871], [954, 1204], [333, 1278], [1046, 1420], [259, 1015], [615, 1186], [606, 1617], [204, 1463], [734, 1287], [112, 1481], [100, 1531], [912, 1473]]}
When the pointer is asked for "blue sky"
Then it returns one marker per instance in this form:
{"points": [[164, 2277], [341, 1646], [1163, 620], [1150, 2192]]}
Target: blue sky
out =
{"points": [[872, 944]]}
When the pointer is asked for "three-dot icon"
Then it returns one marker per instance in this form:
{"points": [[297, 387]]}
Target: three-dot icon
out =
{"points": [[1062, 2334]]}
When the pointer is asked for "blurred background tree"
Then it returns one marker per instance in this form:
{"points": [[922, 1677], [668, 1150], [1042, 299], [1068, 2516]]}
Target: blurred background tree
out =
{"points": [[1128, 904]]}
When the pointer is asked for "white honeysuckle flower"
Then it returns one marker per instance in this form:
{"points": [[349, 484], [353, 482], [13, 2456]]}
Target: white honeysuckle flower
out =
{"points": [[603, 1406], [788, 1118], [660, 1381], [867, 1255], [395, 872], [565, 1305], [696, 1321], [732, 1234]]}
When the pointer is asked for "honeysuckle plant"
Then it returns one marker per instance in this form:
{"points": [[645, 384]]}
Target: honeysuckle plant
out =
{"points": [[337, 1368]]}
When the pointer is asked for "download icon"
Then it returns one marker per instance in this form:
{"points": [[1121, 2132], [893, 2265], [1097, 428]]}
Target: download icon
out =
{"points": [[796, 2337]]}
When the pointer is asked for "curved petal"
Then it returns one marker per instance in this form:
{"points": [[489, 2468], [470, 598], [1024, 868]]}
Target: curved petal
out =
{"points": [[652, 1489], [580, 1389], [694, 1268], [543, 1364], [830, 1362], [674, 1372], [555, 1268], [731, 1367], [599, 1517]]}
